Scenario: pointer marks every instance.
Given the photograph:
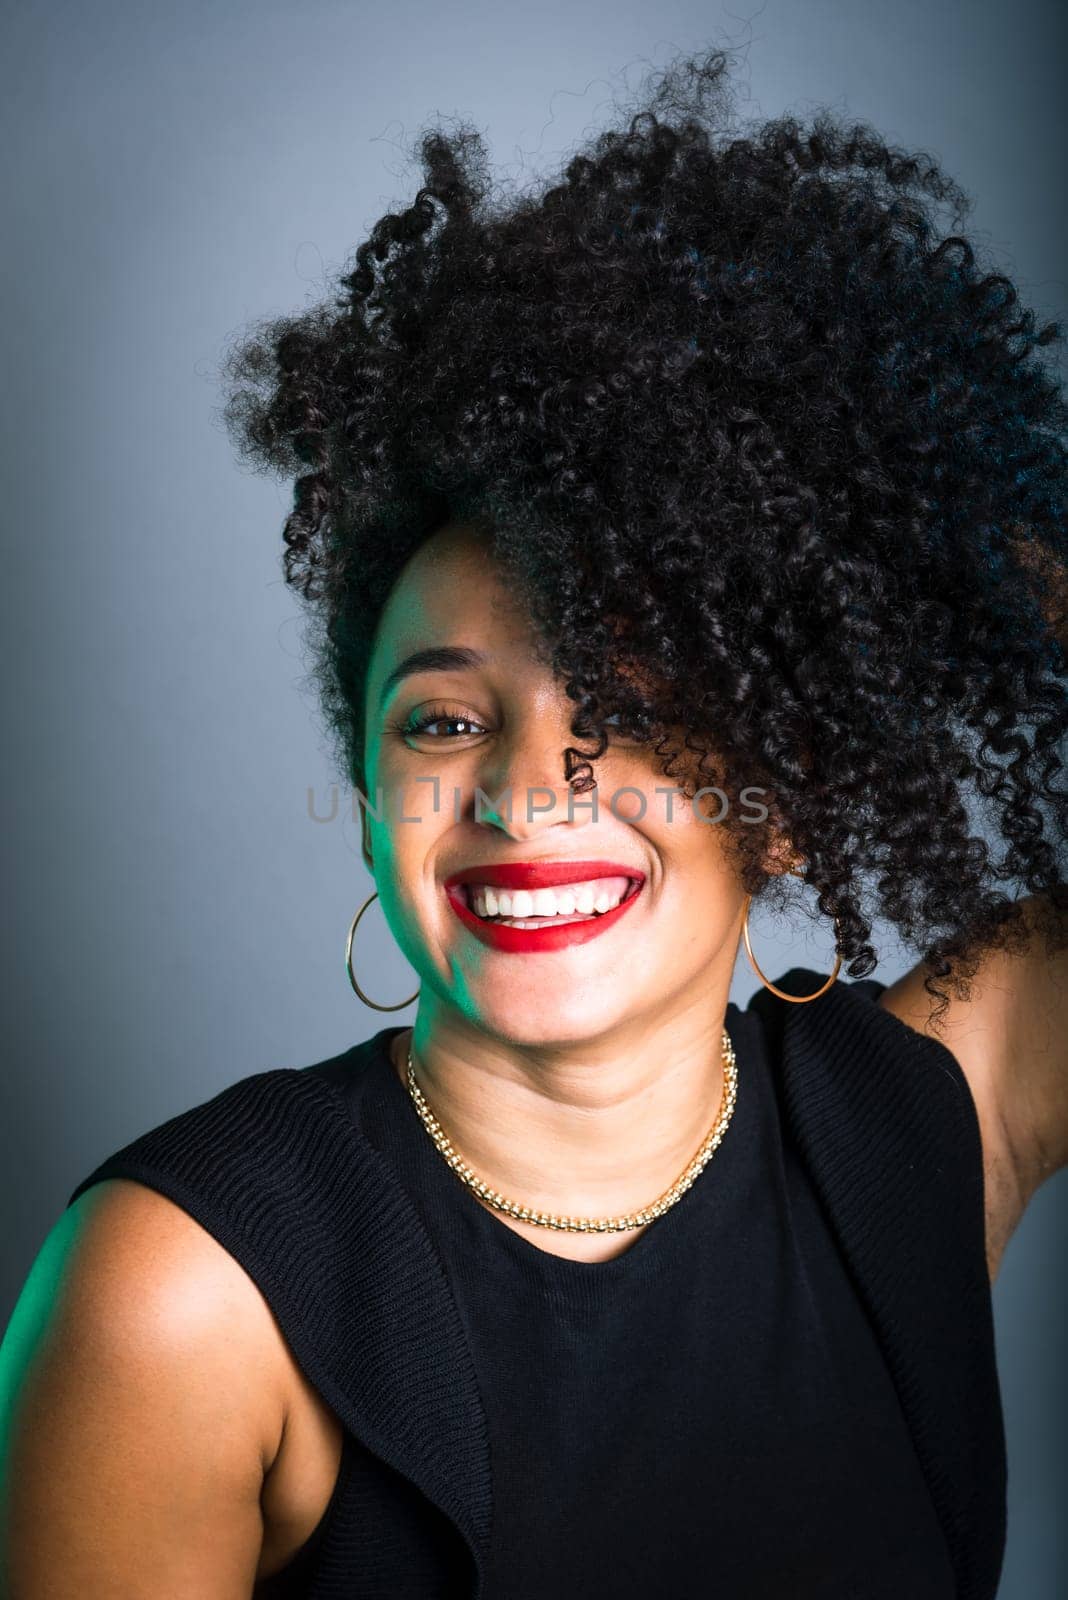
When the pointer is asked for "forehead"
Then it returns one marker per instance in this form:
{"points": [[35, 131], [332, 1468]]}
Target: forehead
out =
{"points": [[452, 564], [453, 573], [451, 591]]}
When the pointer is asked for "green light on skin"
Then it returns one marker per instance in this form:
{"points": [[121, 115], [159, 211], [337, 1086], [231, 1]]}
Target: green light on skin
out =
{"points": [[25, 1341]]}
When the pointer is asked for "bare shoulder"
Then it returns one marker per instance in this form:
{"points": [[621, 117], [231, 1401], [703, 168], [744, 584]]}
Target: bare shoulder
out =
{"points": [[1011, 1042], [142, 1401]]}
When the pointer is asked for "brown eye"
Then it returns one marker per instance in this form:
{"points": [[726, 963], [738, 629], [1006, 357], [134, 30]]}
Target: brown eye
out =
{"points": [[422, 723]]}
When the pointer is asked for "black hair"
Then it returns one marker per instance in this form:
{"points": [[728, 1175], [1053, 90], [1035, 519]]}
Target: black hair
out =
{"points": [[770, 456]]}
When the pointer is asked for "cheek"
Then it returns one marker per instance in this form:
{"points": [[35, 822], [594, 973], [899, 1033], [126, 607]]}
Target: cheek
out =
{"points": [[700, 895], [693, 842], [410, 812], [407, 852]]}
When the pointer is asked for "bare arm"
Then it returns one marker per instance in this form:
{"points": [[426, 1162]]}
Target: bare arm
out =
{"points": [[141, 1404], [1011, 1040], [1034, 1088]]}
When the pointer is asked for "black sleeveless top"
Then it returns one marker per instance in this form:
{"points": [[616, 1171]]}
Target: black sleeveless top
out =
{"points": [[711, 1408]]}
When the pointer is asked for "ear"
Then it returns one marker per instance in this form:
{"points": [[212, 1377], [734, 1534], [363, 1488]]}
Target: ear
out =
{"points": [[365, 832], [782, 857]]}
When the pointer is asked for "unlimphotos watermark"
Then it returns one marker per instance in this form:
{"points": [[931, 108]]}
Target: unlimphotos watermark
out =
{"points": [[390, 807]]}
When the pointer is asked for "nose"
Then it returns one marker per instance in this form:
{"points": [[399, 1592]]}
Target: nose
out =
{"points": [[523, 789]]}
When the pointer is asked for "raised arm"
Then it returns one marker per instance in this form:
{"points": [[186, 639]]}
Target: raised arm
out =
{"points": [[1011, 1040]]}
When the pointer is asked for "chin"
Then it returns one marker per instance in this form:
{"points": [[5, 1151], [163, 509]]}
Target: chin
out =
{"points": [[553, 1014]]}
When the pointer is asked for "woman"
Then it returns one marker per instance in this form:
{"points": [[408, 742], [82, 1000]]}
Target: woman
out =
{"points": [[691, 529]]}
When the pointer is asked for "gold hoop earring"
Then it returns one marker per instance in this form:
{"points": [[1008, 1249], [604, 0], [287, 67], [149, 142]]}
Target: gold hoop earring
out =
{"points": [[796, 999], [352, 976]]}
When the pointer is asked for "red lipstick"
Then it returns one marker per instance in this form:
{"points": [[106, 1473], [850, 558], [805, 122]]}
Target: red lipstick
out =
{"points": [[540, 875]]}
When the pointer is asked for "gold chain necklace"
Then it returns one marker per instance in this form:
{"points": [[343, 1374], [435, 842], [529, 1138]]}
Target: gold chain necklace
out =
{"points": [[636, 1219]]}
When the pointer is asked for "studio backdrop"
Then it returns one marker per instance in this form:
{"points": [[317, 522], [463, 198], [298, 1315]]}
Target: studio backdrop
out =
{"points": [[182, 857]]}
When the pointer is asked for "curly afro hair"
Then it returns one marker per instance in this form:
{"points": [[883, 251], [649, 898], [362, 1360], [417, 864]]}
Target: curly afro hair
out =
{"points": [[771, 460]]}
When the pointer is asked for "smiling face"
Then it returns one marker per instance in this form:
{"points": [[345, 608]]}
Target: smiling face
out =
{"points": [[500, 724]]}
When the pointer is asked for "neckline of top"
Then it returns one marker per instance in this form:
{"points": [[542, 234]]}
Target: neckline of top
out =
{"points": [[523, 1251]]}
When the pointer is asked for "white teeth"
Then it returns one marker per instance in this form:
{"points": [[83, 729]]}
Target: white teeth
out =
{"points": [[598, 895]]}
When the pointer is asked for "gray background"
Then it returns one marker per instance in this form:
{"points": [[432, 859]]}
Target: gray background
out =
{"points": [[176, 917]]}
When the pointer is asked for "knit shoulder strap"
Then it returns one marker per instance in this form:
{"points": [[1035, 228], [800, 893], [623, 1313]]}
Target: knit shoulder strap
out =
{"points": [[885, 1121], [274, 1168]]}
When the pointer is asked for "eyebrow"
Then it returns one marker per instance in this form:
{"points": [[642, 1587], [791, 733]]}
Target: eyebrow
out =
{"points": [[438, 658]]}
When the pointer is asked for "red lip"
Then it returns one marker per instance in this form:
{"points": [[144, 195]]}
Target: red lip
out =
{"points": [[543, 874], [540, 875]]}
